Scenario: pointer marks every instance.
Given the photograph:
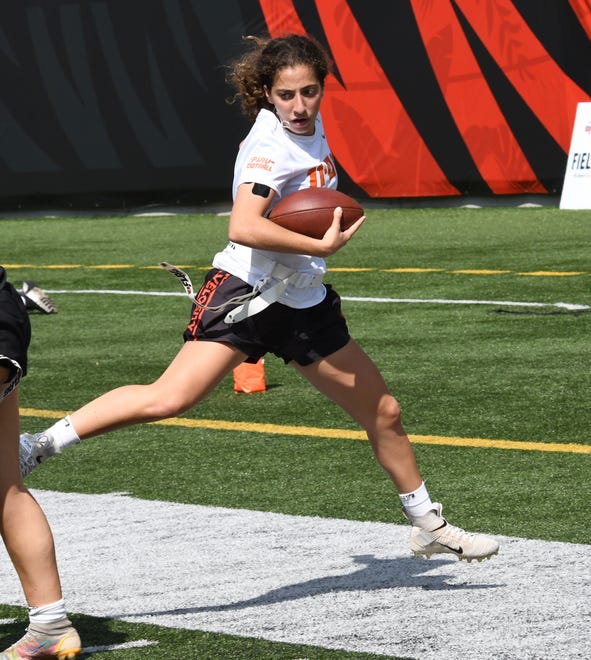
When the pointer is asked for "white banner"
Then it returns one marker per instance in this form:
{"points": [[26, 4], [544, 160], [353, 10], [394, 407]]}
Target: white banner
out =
{"points": [[576, 191]]}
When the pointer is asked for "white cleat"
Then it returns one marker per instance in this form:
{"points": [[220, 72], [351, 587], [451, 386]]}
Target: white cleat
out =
{"points": [[34, 449], [446, 538], [36, 298]]}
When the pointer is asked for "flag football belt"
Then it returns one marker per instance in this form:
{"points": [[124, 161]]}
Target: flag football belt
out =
{"points": [[265, 292]]}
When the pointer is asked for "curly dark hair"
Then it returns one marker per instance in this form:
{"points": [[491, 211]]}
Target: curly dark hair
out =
{"points": [[257, 68]]}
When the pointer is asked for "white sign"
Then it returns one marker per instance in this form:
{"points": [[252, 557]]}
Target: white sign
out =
{"points": [[576, 190]]}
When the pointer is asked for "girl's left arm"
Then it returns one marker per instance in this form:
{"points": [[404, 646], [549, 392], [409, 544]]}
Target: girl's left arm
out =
{"points": [[249, 226]]}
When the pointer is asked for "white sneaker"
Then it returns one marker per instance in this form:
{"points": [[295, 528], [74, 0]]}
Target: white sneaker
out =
{"points": [[35, 448], [445, 538], [37, 299]]}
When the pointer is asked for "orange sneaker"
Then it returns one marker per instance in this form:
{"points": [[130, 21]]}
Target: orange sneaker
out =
{"points": [[37, 645]]}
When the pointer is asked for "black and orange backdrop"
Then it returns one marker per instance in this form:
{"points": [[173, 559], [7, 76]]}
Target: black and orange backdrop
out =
{"points": [[124, 101]]}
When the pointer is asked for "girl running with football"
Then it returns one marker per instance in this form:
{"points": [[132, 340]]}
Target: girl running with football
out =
{"points": [[265, 294]]}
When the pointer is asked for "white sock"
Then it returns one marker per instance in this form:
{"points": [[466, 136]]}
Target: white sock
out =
{"points": [[64, 435], [418, 502], [48, 613]]}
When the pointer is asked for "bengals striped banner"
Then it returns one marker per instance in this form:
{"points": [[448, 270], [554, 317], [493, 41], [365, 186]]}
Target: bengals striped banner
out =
{"points": [[109, 103], [445, 97]]}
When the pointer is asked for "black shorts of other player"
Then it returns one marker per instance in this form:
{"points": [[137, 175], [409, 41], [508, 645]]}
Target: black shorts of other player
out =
{"points": [[15, 335], [304, 335]]}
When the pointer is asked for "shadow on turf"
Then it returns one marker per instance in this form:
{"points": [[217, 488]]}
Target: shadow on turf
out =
{"points": [[376, 574], [11, 632]]}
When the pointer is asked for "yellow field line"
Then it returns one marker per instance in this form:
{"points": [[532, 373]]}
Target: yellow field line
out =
{"points": [[411, 270], [552, 273], [342, 434], [481, 271]]}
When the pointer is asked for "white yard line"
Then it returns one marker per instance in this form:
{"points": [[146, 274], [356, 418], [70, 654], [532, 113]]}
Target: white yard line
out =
{"points": [[331, 583], [138, 644], [428, 301]]}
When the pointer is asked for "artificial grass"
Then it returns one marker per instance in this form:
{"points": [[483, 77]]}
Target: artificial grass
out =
{"points": [[475, 371], [467, 371], [172, 642], [527, 494], [483, 371]]}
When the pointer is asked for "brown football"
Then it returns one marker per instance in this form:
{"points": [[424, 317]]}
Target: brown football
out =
{"points": [[310, 211]]}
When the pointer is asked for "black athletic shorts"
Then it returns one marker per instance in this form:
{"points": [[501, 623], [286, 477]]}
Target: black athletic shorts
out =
{"points": [[15, 334], [304, 335]]}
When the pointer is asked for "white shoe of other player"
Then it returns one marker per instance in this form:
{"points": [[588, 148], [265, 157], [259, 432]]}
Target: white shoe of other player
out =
{"points": [[34, 449], [431, 534], [37, 299]]}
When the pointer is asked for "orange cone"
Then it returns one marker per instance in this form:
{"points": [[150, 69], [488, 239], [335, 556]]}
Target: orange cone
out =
{"points": [[249, 378]]}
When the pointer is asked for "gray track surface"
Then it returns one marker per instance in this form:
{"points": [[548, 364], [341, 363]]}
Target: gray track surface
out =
{"points": [[332, 583]]}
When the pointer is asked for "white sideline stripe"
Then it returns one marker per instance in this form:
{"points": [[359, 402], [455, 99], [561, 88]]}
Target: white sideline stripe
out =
{"points": [[429, 301], [338, 584], [117, 292], [6, 622], [140, 643], [444, 301]]}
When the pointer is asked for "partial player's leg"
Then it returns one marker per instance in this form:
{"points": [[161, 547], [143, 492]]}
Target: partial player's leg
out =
{"points": [[350, 378], [23, 525], [195, 371], [29, 542]]}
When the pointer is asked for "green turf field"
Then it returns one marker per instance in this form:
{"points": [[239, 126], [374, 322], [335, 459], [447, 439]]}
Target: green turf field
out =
{"points": [[479, 319]]}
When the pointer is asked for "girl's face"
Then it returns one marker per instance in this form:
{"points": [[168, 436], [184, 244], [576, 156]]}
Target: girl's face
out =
{"points": [[296, 95]]}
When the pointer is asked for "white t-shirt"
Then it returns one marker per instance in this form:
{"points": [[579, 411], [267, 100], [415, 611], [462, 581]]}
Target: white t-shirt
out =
{"points": [[272, 156]]}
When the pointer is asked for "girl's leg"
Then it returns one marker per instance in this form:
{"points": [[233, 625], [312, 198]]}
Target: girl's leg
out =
{"points": [[195, 371], [23, 525], [351, 379]]}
